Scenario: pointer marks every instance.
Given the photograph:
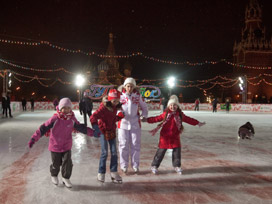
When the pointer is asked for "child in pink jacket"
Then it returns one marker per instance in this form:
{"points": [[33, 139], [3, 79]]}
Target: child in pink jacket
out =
{"points": [[61, 126]]}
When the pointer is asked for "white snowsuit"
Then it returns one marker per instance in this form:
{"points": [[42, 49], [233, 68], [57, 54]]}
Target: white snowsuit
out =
{"points": [[129, 128]]}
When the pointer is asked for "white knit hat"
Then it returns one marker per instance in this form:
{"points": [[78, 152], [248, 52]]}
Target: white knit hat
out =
{"points": [[130, 81], [65, 102], [173, 99]]}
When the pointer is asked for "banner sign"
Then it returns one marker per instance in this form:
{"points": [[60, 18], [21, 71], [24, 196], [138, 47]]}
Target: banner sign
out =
{"points": [[99, 91]]}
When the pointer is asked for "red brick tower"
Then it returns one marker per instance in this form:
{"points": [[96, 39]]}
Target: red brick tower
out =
{"points": [[254, 49]]}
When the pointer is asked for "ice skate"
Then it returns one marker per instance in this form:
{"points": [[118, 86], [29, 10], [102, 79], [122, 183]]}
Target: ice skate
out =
{"points": [[116, 178], [55, 180], [136, 170], [101, 177], [178, 170], [67, 182], [154, 170], [124, 169]]}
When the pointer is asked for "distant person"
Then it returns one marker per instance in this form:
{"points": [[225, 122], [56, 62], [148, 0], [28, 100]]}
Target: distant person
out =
{"points": [[4, 105], [32, 104], [8, 105], [165, 101], [85, 107], [24, 104], [55, 103], [61, 125], [246, 131], [227, 105], [214, 105], [197, 104]]}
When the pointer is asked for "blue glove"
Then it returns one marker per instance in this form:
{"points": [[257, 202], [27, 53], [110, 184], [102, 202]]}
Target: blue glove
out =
{"points": [[97, 131]]}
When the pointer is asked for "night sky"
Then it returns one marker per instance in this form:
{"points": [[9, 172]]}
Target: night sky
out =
{"points": [[194, 30]]}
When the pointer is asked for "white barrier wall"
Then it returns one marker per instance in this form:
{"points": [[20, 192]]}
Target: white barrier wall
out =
{"points": [[265, 108]]}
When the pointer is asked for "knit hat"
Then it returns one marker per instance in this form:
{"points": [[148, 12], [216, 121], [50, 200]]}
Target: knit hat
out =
{"points": [[113, 94], [130, 81], [65, 102], [173, 99]]}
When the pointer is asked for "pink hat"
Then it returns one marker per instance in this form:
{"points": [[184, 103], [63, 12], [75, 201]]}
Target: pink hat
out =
{"points": [[113, 94], [65, 102]]}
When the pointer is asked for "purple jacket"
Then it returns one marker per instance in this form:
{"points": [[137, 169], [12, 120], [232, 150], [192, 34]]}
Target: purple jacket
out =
{"points": [[60, 139]]}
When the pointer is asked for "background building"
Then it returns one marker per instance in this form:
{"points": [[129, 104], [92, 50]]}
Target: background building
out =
{"points": [[254, 50]]}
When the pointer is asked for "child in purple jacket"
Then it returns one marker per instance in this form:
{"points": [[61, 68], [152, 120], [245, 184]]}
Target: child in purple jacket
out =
{"points": [[62, 125]]}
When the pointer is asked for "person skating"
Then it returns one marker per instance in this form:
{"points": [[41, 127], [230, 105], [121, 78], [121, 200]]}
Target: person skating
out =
{"points": [[129, 128], [85, 107], [227, 105], [4, 105], [32, 104], [214, 105], [197, 102], [171, 128], [61, 126], [8, 105], [55, 103], [24, 104], [246, 131], [104, 123]]}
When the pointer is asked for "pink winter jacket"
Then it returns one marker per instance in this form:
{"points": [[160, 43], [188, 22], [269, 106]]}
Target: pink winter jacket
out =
{"points": [[60, 139]]}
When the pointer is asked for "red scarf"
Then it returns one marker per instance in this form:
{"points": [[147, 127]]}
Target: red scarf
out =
{"points": [[176, 118]]}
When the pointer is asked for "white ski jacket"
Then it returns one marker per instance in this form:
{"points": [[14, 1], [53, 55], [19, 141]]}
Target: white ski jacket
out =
{"points": [[131, 104]]}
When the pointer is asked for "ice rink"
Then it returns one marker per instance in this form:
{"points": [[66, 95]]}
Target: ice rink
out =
{"points": [[218, 168]]}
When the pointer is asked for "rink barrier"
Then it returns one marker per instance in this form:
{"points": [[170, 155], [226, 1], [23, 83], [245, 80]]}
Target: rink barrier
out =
{"points": [[264, 108]]}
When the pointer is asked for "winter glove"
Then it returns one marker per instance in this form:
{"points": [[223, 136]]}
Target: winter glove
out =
{"points": [[90, 132], [121, 114], [143, 119], [97, 131], [31, 142], [201, 124]]}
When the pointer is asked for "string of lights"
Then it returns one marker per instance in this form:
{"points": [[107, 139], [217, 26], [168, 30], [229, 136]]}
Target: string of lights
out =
{"points": [[34, 69], [133, 54], [197, 83]]}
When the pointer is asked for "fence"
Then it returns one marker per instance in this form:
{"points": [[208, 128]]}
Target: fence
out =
{"points": [[265, 108]]}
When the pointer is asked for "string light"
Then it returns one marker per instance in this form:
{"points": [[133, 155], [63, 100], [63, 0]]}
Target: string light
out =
{"points": [[33, 69], [78, 51], [228, 83]]}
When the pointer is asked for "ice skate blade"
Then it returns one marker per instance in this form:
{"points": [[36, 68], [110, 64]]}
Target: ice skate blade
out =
{"points": [[115, 181], [100, 181], [66, 186], [54, 180], [155, 172]]}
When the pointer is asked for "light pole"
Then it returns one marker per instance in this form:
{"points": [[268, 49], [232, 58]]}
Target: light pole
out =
{"points": [[243, 88], [80, 80], [7, 80], [171, 82]]}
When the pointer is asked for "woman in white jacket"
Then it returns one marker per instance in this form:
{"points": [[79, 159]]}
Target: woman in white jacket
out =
{"points": [[129, 128]]}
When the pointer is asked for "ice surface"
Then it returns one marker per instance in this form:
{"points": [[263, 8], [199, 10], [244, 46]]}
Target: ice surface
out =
{"points": [[218, 168]]}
